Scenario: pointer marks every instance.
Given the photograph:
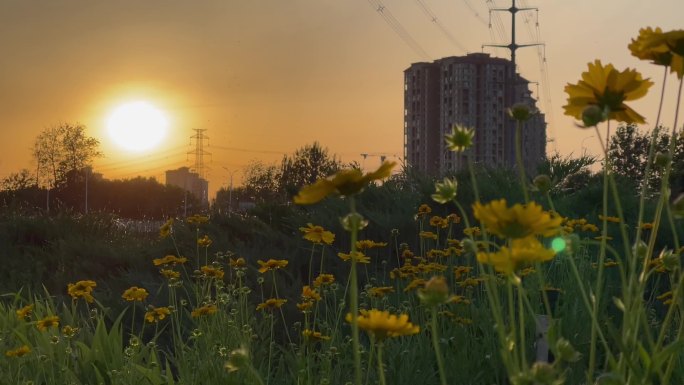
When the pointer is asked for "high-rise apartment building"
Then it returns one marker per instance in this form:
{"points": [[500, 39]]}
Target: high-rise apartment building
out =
{"points": [[475, 91]]}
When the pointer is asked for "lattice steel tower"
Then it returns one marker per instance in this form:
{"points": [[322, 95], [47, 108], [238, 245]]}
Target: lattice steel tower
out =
{"points": [[199, 152]]}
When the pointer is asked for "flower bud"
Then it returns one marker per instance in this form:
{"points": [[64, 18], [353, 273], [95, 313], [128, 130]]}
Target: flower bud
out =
{"points": [[593, 115], [521, 112], [435, 292], [445, 191], [542, 183], [662, 159], [566, 351]]}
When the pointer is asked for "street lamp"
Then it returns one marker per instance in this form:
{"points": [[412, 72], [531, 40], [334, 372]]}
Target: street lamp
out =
{"points": [[230, 191]]}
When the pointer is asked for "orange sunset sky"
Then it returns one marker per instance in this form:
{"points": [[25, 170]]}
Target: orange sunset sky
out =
{"points": [[265, 77]]}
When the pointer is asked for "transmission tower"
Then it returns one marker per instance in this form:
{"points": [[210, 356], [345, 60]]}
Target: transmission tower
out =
{"points": [[512, 46], [199, 152]]}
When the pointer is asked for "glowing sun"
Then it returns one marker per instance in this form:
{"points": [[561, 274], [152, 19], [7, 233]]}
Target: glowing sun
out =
{"points": [[137, 126]]}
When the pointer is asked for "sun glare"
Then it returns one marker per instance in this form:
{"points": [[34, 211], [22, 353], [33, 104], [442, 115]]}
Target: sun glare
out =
{"points": [[137, 126]]}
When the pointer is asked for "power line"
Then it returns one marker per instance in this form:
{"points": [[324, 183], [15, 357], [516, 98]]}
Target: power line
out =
{"points": [[398, 28], [474, 11], [433, 18]]}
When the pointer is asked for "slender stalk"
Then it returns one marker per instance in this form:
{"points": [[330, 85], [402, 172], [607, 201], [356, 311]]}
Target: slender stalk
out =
{"points": [[519, 161], [354, 292], [381, 370], [435, 345]]}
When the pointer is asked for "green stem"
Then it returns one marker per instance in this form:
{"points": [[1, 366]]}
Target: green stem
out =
{"points": [[435, 345], [354, 300], [519, 161], [381, 370]]}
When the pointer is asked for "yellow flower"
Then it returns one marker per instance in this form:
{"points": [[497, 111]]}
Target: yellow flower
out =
{"points": [[521, 250], [427, 235], [357, 256], [607, 88], [317, 234], [460, 139], [461, 271], [660, 48], [156, 314], [24, 312], [205, 241], [324, 279], [82, 289], [382, 324], [69, 331], [646, 226], [169, 260], [166, 229], [212, 272], [196, 219], [239, 262], [271, 304], [135, 294], [472, 231], [48, 322], [204, 310], [609, 219], [590, 227], [309, 294], [345, 182], [416, 283], [437, 221], [168, 273], [423, 210], [313, 336], [18, 352], [271, 264], [368, 244], [519, 221], [305, 305], [469, 282], [666, 298], [381, 291]]}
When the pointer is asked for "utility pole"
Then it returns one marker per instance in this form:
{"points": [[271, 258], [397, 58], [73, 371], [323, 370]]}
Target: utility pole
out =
{"points": [[513, 46]]}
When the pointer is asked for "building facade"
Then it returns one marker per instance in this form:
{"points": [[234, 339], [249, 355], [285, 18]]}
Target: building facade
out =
{"points": [[475, 91], [190, 182]]}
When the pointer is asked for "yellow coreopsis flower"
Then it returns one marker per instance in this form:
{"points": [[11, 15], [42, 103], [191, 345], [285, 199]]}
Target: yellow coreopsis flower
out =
{"points": [[660, 48], [427, 235], [310, 294], [48, 322], [156, 314], [135, 293], [271, 264], [380, 291], [237, 262], [168, 273], [423, 210], [521, 250], [317, 234], [324, 279], [368, 244], [18, 352], [357, 256], [437, 221], [609, 219], [204, 310], [382, 324], [197, 219], [271, 304], [24, 312], [313, 336], [166, 229], [205, 241], [82, 289], [345, 182], [169, 260], [608, 89], [519, 221], [212, 272]]}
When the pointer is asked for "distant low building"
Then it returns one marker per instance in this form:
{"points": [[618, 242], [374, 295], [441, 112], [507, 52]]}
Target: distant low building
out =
{"points": [[190, 182]]}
